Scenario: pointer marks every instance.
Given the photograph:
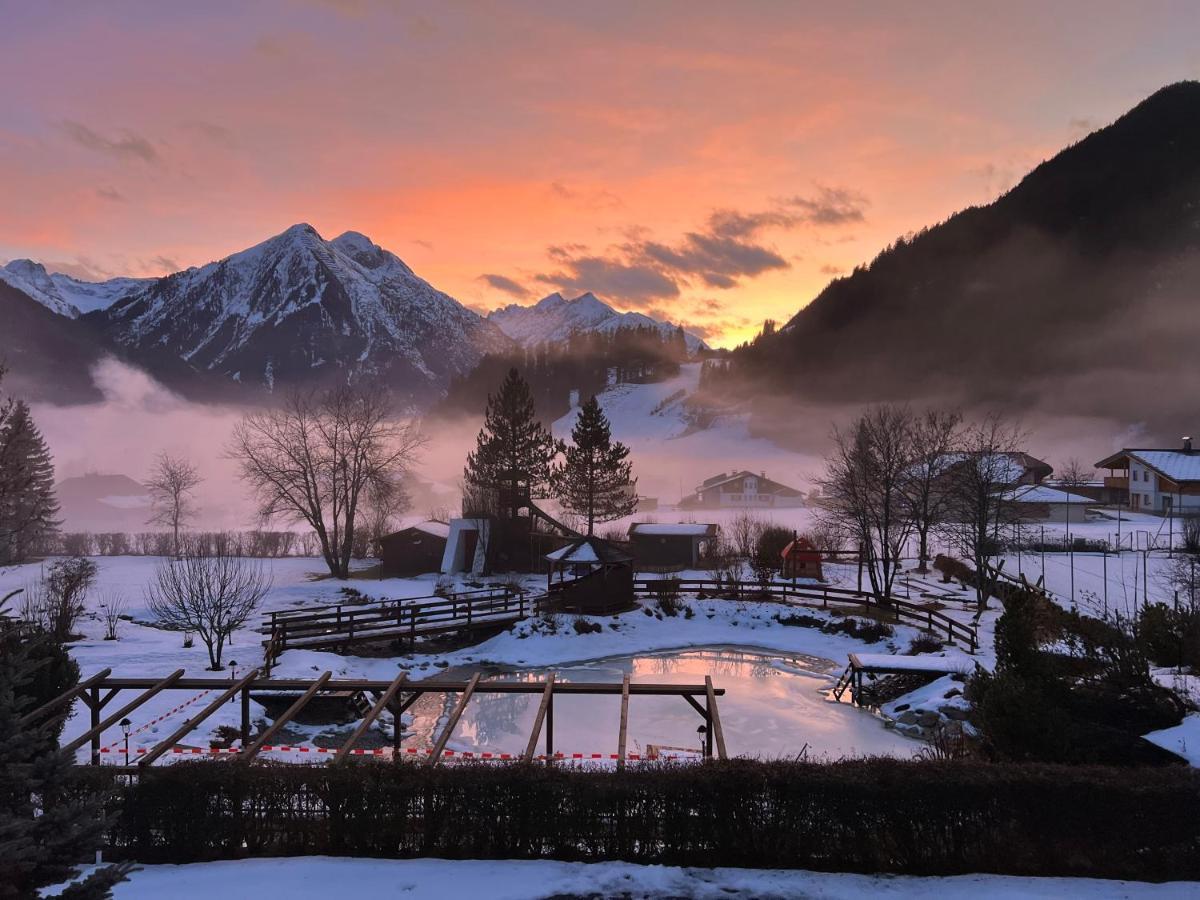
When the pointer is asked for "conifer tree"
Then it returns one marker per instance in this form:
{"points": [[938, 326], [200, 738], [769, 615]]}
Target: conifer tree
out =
{"points": [[28, 508], [595, 480], [512, 461], [47, 825]]}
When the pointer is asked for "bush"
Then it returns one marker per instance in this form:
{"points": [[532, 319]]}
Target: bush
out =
{"points": [[768, 551], [873, 815], [666, 595], [866, 630]]}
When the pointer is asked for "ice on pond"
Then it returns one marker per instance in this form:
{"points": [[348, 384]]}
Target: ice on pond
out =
{"points": [[773, 707]]}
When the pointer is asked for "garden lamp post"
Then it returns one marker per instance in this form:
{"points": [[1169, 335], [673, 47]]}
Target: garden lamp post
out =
{"points": [[125, 726], [232, 676], [702, 735]]}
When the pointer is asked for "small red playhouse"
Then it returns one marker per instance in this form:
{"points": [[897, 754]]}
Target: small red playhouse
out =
{"points": [[801, 559]]}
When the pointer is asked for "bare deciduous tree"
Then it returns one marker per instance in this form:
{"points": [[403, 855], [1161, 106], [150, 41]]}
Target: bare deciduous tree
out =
{"points": [[211, 596], [172, 484], [744, 530], [979, 501], [862, 490], [56, 603], [933, 436], [315, 460], [112, 608]]}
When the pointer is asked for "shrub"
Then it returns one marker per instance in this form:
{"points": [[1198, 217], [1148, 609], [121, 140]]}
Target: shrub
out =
{"points": [[583, 626], [871, 815], [768, 551], [666, 595], [924, 643], [866, 630]]}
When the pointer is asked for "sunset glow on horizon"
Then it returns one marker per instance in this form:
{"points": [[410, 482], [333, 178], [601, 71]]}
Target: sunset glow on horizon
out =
{"points": [[714, 164]]}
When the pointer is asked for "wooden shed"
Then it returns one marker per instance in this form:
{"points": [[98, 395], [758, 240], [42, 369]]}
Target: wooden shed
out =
{"points": [[601, 577], [801, 559], [668, 547], [413, 551]]}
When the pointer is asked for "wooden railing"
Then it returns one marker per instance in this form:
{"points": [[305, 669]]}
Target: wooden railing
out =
{"points": [[344, 623], [903, 611]]}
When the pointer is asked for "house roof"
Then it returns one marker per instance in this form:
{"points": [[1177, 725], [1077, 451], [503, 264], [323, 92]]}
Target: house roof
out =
{"points": [[1176, 465], [1040, 493], [437, 529], [1010, 466], [720, 480], [589, 550], [688, 529]]}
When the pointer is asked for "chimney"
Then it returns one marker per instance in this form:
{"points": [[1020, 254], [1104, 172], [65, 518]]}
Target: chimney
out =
{"points": [[1187, 444]]}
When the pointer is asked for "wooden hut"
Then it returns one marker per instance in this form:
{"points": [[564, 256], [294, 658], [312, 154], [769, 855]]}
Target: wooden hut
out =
{"points": [[590, 576], [413, 551], [668, 547], [801, 559]]}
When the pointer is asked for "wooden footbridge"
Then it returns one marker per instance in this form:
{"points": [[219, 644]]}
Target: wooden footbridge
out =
{"points": [[394, 697], [346, 623]]}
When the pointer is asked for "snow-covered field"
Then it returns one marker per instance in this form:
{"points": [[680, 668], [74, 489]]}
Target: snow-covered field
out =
{"points": [[144, 650], [535, 879]]}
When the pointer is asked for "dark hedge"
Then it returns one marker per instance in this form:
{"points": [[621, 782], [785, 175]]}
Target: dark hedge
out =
{"points": [[875, 815]]}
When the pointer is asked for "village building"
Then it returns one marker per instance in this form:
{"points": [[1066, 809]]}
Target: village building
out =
{"points": [[742, 490], [1009, 470], [413, 551], [802, 559], [601, 577], [1164, 482], [1043, 503], [669, 547]]}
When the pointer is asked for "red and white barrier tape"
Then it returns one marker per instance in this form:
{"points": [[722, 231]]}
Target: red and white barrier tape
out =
{"points": [[169, 713], [387, 751]]}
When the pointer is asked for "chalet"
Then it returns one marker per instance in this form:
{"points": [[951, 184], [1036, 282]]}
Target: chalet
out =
{"points": [[1010, 469], [1043, 503], [668, 547], [413, 551], [1164, 482], [742, 490]]}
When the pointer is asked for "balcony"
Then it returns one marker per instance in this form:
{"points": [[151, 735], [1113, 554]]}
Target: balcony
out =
{"points": [[1119, 482]]}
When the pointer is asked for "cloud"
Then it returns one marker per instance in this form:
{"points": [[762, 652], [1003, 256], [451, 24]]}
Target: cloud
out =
{"points": [[718, 260], [830, 206], [82, 268], [635, 283], [589, 198], [504, 283], [165, 263], [109, 193], [210, 131], [128, 146], [831, 269]]}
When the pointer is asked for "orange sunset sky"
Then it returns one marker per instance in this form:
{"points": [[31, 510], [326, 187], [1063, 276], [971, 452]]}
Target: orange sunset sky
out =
{"points": [[713, 163]]}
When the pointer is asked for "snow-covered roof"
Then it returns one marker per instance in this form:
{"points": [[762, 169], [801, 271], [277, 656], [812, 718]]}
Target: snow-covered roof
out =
{"points": [[1040, 493], [437, 529], [686, 529], [588, 550], [1177, 465]]}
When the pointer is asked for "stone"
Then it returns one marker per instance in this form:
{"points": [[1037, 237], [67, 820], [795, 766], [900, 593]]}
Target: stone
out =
{"points": [[954, 713], [929, 719], [908, 718]]}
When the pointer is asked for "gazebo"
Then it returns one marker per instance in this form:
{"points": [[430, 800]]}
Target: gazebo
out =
{"points": [[601, 579]]}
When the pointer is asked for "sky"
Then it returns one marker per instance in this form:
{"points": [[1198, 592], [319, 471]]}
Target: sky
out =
{"points": [[711, 163]]}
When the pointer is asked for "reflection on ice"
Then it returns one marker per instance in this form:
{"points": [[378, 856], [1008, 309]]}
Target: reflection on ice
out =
{"points": [[773, 706]]}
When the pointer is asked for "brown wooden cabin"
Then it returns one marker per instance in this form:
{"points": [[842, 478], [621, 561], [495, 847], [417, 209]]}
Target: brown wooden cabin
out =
{"points": [[413, 551], [801, 559], [594, 577]]}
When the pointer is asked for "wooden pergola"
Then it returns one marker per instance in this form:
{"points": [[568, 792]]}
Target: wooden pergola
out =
{"points": [[395, 696]]}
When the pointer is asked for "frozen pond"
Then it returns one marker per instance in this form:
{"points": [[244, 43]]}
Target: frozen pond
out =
{"points": [[773, 706]]}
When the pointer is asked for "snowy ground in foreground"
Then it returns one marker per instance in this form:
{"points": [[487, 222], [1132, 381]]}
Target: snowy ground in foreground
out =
{"points": [[530, 880]]}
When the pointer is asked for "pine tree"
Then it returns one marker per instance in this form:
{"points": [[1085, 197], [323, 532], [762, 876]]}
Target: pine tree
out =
{"points": [[28, 508], [595, 480], [47, 825], [513, 459]]}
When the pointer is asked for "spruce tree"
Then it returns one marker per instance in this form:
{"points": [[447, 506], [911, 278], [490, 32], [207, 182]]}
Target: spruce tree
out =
{"points": [[28, 508], [595, 480], [47, 824], [513, 459]]}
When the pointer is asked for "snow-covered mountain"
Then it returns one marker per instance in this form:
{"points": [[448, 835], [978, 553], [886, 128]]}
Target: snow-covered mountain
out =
{"points": [[297, 309], [63, 294], [555, 318]]}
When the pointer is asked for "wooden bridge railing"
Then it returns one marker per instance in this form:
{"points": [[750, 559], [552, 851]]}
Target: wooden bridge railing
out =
{"points": [[900, 610]]}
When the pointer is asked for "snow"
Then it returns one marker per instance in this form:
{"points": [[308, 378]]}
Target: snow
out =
{"points": [[1037, 493], [555, 318], [961, 664], [675, 528], [63, 294], [574, 553], [1175, 464], [1182, 739], [437, 529], [320, 876]]}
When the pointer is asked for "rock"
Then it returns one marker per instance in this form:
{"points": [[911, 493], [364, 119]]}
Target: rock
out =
{"points": [[902, 707], [953, 692], [908, 718], [954, 713], [929, 719]]}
